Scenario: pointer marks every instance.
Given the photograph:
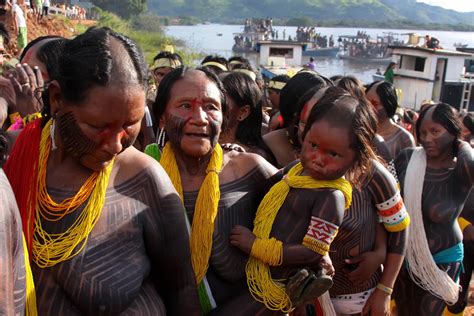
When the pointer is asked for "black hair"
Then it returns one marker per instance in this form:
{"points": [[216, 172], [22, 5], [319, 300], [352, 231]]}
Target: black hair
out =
{"points": [[88, 60], [244, 91], [294, 89], [164, 91], [445, 115], [352, 85], [468, 121], [344, 110], [280, 78], [34, 42], [218, 59], [240, 59], [336, 77], [390, 66], [169, 55], [4, 33], [387, 94], [49, 55]]}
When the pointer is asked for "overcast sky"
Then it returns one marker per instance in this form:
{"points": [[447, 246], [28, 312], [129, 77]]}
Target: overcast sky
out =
{"points": [[458, 5]]}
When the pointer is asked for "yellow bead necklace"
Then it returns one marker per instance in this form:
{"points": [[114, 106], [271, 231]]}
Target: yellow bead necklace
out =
{"points": [[51, 249]]}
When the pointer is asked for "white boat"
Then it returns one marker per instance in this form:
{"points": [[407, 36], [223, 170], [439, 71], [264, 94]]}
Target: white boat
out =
{"points": [[279, 57]]}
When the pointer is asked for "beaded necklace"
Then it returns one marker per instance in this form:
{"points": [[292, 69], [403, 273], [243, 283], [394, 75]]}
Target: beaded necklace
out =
{"points": [[51, 249]]}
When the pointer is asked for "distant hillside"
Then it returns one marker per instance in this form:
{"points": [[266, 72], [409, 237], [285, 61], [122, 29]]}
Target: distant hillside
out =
{"points": [[320, 10]]}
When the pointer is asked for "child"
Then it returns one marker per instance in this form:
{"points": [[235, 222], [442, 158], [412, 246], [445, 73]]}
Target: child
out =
{"points": [[299, 217]]}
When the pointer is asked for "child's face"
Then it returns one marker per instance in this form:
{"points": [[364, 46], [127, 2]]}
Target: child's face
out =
{"points": [[326, 153]]}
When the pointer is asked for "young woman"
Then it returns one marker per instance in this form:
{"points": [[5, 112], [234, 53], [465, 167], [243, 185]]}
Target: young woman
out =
{"points": [[219, 189], [383, 98], [244, 121], [104, 226], [436, 180]]}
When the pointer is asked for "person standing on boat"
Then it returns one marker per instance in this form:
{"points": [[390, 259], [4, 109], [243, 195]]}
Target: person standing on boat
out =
{"points": [[389, 73], [311, 65]]}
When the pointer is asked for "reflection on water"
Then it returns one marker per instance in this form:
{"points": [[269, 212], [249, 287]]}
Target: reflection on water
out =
{"points": [[204, 38]]}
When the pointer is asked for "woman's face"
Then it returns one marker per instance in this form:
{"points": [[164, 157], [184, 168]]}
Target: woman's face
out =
{"points": [[193, 115], [101, 126], [434, 138], [376, 103], [160, 73], [326, 153]]}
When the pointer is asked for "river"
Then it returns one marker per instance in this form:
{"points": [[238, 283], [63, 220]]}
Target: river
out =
{"points": [[203, 38]]}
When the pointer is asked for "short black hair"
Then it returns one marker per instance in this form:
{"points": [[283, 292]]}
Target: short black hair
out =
{"points": [[387, 94]]}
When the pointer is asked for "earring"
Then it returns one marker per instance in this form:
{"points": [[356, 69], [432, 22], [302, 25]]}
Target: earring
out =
{"points": [[52, 131], [161, 138]]}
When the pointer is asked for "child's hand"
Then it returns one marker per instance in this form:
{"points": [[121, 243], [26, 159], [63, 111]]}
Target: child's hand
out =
{"points": [[326, 265], [242, 238], [367, 265]]}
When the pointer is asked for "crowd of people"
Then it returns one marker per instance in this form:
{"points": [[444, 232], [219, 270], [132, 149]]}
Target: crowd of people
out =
{"points": [[135, 189]]}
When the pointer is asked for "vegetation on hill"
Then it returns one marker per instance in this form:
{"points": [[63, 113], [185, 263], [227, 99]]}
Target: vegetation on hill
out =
{"points": [[357, 13]]}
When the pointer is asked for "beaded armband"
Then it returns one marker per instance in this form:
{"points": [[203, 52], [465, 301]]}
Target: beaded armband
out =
{"points": [[320, 235], [393, 214], [269, 251]]}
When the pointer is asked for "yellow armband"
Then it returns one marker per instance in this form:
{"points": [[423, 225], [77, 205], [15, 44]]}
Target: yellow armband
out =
{"points": [[463, 223]]}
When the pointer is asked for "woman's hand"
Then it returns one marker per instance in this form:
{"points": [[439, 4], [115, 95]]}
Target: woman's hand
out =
{"points": [[232, 146], [242, 238], [367, 264], [28, 84], [378, 304]]}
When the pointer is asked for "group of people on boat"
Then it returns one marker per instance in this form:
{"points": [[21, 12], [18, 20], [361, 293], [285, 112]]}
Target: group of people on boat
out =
{"points": [[130, 189]]}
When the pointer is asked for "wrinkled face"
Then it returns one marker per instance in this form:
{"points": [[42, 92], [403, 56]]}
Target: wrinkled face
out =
{"points": [[374, 99], [103, 125], [434, 138], [193, 115], [274, 97], [326, 153], [160, 73]]}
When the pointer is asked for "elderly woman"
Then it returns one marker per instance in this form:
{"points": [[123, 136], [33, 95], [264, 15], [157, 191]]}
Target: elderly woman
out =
{"points": [[383, 98], [219, 190], [104, 226], [436, 180]]}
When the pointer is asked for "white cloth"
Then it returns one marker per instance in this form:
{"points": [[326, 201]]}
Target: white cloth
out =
{"points": [[351, 303], [421, 265], [20, 16], [46, 3]]}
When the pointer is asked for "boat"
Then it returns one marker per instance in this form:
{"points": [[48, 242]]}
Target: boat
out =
{"points": [[279, 58], [219, 34], [321, 52], [377, 77], [363, 48], [434, 74]]}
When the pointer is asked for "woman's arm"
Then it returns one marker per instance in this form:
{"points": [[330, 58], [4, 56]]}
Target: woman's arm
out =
{"points": [[465, 163]]}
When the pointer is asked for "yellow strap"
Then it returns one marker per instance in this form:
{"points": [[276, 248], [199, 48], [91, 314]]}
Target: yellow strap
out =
{"points": [[30, 304], [463, 223], [215, 64]]}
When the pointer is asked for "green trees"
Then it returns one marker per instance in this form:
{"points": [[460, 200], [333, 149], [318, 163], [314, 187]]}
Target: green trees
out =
{"points": [[123, 8]]}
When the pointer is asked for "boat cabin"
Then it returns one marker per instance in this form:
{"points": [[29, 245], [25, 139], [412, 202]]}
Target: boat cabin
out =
{"points": [[280, 57], [428, 74]]}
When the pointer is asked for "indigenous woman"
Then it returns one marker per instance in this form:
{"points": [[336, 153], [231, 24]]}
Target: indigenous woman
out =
{"points": [[284, 143], [383, 98], [12, 260], [274, 87], [360, 248], [244, 103], [436, 180], [389, 73], [219, 190], [336, 142], [103, 224]]}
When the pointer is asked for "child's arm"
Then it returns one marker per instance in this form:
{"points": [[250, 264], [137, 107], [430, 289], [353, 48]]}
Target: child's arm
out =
{"points": [[325, 220]]}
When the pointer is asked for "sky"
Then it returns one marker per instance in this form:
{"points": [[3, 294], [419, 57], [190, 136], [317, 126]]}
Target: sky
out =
{"points": [[457, 5]]}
